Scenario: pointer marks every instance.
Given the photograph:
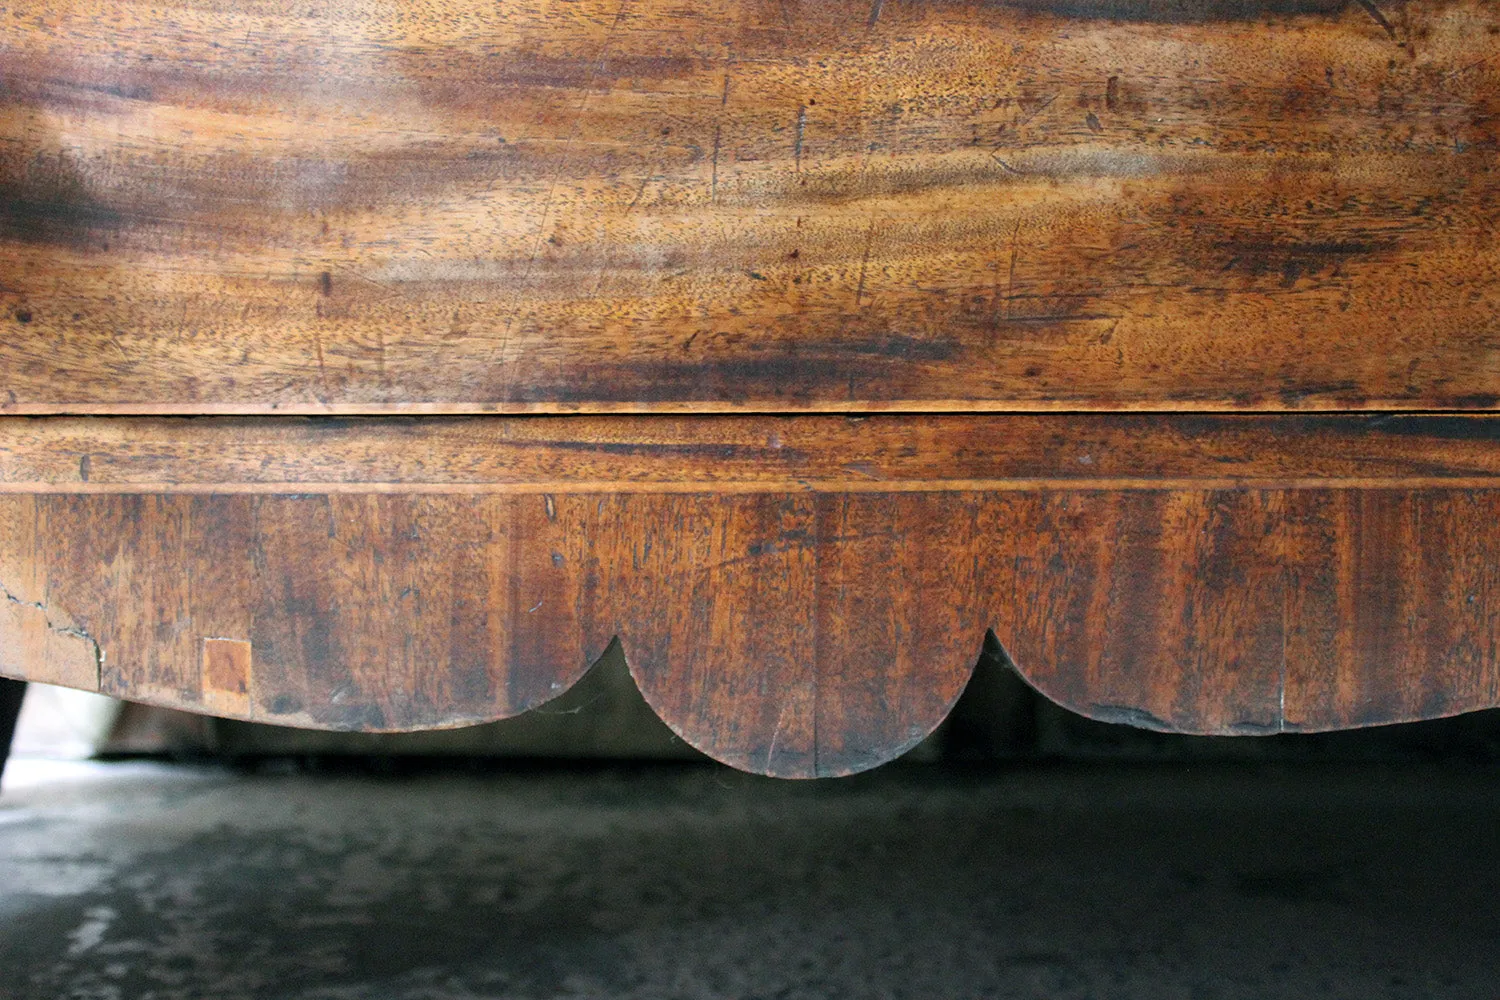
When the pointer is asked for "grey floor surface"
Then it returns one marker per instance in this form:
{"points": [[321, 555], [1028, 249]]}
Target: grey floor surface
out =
{"points": [[148, 882]]}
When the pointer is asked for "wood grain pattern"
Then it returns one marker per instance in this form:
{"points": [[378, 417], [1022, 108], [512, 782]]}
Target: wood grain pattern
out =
{"points": [[744, 454], [761, 204], [778, 620]]}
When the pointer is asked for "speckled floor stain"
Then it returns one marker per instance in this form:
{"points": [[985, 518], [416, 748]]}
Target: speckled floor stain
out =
{"points": [[133, 882]]}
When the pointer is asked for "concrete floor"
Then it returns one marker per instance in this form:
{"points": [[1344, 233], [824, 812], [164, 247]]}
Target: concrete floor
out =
{"points": [[149, 882]]}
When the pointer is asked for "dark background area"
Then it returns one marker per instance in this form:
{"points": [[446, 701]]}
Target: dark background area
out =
{"points": [[583, 851]]}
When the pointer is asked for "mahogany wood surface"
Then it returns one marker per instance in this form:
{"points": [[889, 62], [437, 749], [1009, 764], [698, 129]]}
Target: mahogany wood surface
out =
{"points": [[685, 239], [743, 454], [345, 206], [1202, 574]]}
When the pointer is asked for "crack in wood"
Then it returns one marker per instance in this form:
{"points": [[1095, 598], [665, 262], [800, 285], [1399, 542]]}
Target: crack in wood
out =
{"points": [[70, 630]]}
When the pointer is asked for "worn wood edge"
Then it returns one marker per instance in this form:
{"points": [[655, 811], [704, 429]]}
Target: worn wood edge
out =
{"points": [[1138, 718], [692, 486], [1114, 714], [305, 720], [701, 741], [1311, 406], [683, 729], [294, 720], [745, 454], [695, 486], [699, 738]]}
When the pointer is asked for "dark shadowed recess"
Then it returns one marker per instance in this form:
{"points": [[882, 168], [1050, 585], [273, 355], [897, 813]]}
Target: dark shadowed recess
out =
{"points": [[999, 720]]}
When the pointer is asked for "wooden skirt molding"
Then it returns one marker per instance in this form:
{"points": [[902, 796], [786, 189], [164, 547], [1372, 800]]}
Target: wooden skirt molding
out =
{"points": [[796, 596]]}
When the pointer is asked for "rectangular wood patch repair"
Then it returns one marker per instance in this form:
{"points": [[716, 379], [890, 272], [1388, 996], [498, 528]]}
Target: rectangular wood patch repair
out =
{"points": [[226, 676]]}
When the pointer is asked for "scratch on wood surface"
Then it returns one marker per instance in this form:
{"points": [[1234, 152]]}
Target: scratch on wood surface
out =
{"points": [[817, 766], [1007, 167], [575, 710], [792, 541], [776, 737], [1380, 18], [713, 196], [322, 365], [641, 190], [801, 128], [1036, 111], [713, 189], [864, 263], [393, 290], [786, 14], [1010, 278]]}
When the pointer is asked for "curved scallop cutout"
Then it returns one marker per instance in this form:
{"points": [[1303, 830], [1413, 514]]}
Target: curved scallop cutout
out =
{"points": [[784, 728], [358, 612], [801, 635], [1159, 608], [1251, 612]]}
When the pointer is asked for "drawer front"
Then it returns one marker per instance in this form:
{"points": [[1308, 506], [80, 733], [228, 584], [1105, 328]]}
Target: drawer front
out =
{"points": [[643, 205]]}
